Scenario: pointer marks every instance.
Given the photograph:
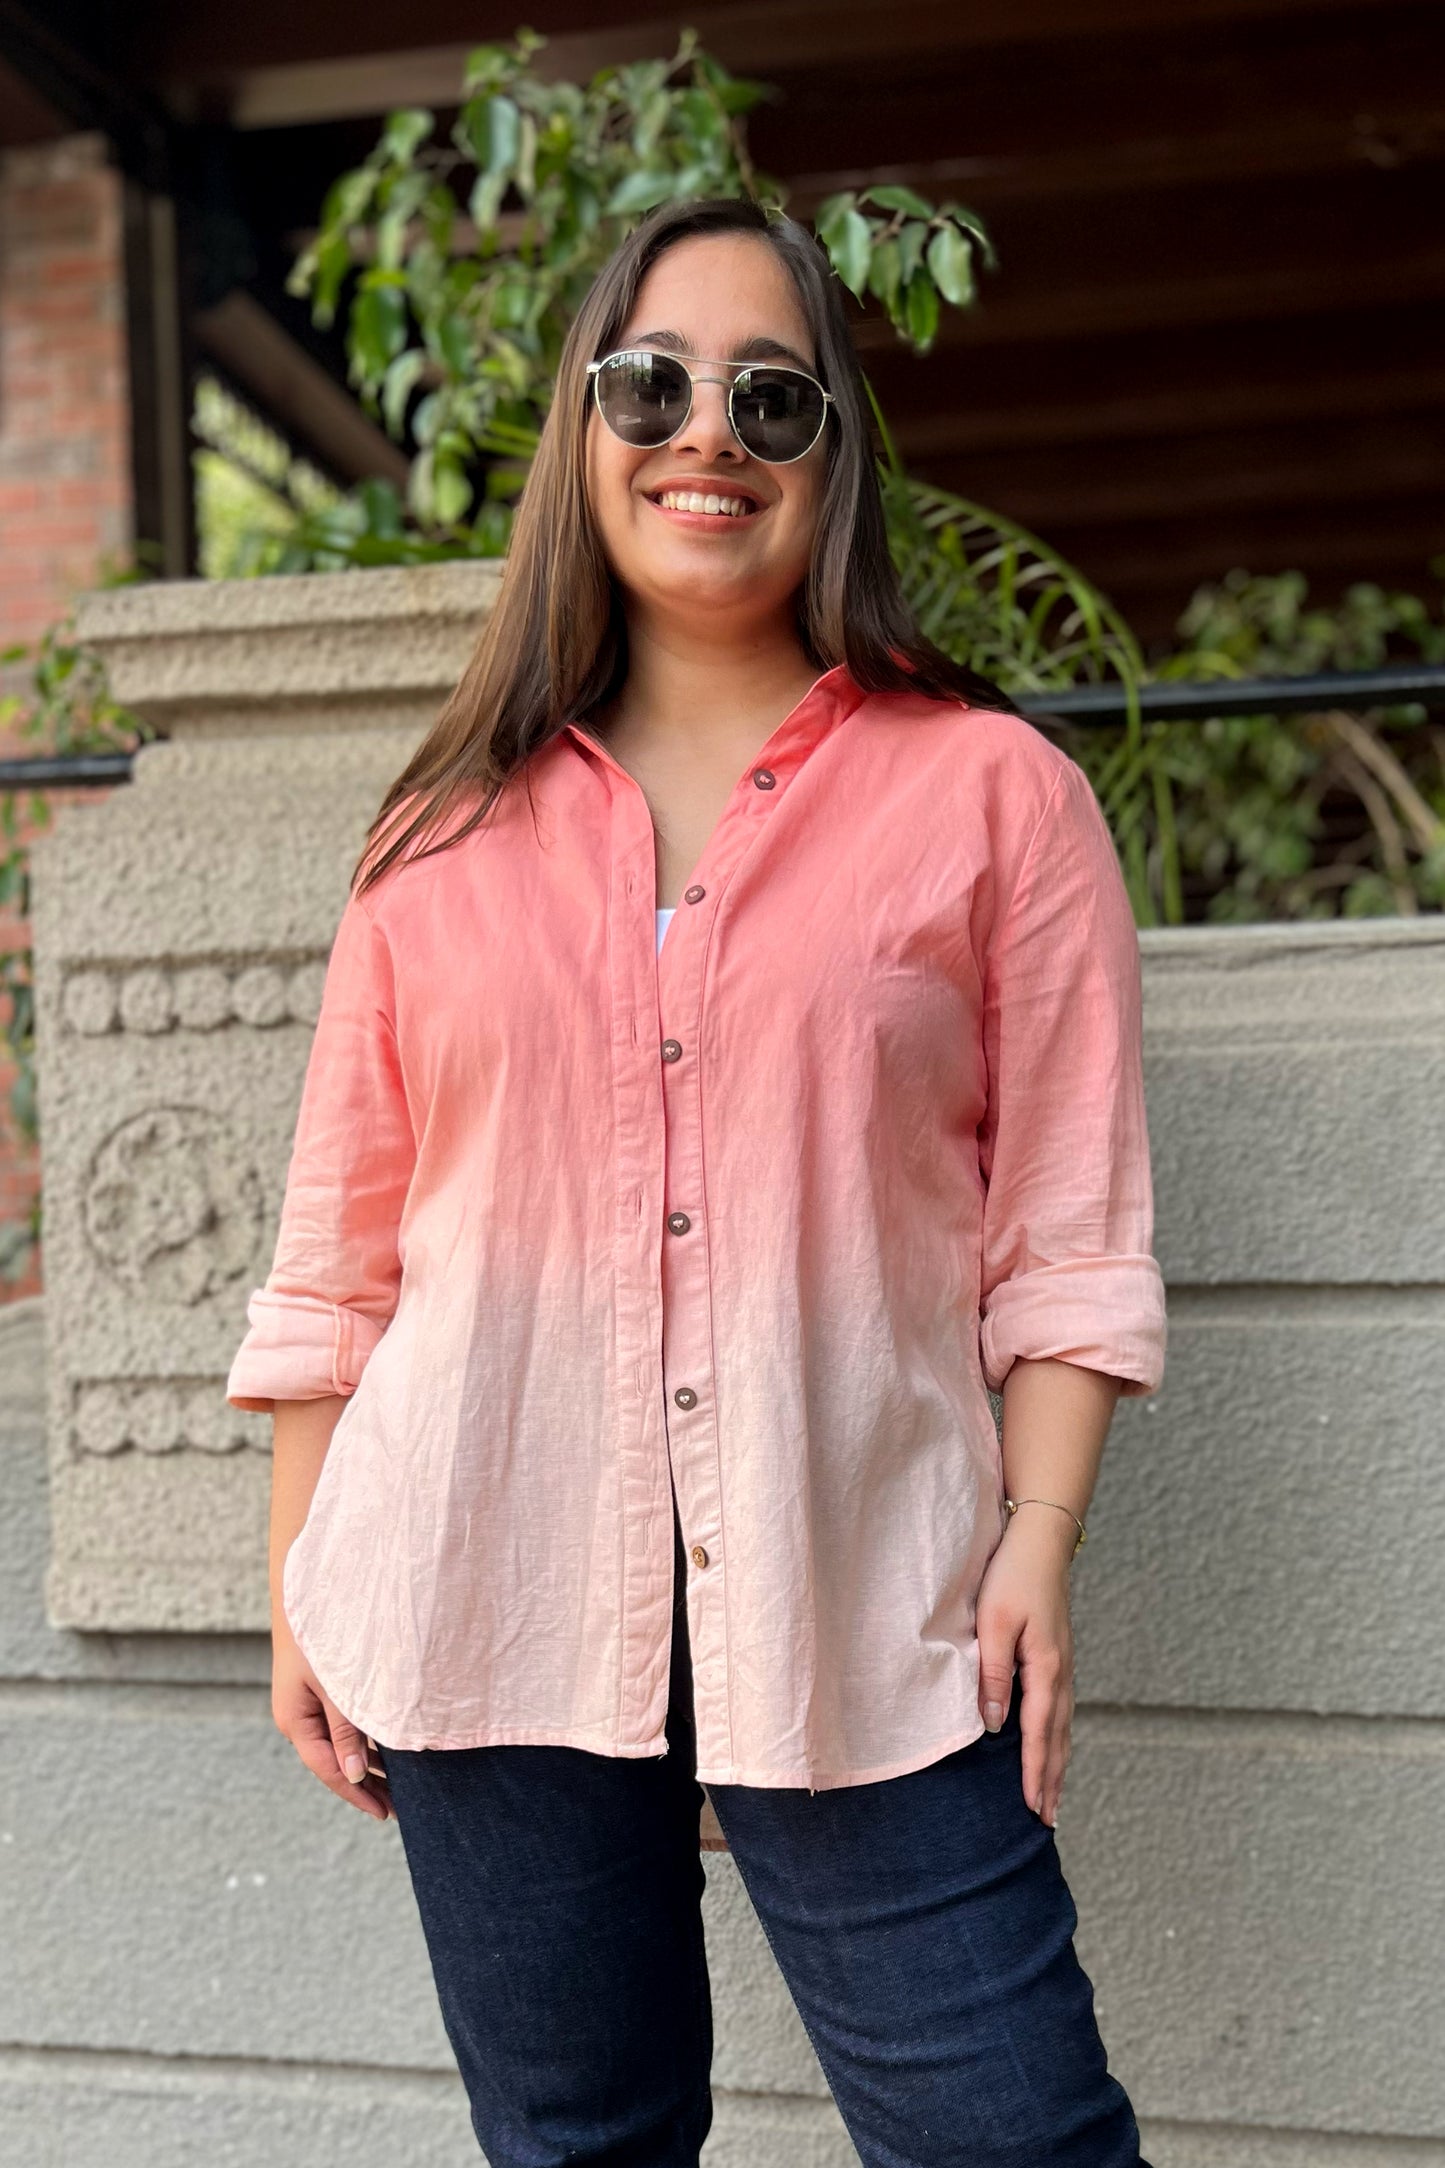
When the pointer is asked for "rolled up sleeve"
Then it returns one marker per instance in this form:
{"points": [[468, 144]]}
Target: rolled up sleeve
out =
{"points": [[336, 1271], [1067, 1266]]}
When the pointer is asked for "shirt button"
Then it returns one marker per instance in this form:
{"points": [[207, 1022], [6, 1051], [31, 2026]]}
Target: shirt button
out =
{"points": [[685, 1397], [694, 894], [678, 1223], [764, 778], [699, 1555], [672, 1050]]}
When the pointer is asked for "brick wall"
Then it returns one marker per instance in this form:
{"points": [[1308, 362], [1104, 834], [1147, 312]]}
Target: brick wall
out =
{"points": [[65, 474]]}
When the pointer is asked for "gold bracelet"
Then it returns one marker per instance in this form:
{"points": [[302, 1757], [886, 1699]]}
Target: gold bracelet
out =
{"points": [[1013, 1505]]}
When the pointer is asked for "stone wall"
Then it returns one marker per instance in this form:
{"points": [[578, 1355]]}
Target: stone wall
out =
{"points": [[211, 1959]]}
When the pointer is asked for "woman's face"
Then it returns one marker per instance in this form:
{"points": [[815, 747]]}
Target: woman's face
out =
{"points": [[715, 297]]}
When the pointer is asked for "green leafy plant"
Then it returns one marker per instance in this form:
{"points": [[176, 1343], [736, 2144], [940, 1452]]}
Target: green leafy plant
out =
{"points": [[456, 310], [66, 708], [1261, 798], [457, 264]]}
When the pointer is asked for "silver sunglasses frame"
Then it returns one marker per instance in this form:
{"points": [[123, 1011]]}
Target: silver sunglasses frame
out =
{"points": [[685, 362]]}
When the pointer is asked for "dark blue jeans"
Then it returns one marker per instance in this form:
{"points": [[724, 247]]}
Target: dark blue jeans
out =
{"points": [[922, 1925]]}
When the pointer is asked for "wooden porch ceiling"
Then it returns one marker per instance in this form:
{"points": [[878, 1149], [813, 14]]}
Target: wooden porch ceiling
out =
{"points": [[1214, 337]]}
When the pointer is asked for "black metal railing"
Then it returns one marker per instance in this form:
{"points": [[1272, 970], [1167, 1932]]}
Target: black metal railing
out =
{"points": [[1422, 684]]}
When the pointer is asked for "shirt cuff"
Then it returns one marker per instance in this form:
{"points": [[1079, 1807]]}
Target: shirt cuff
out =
{"points": [[1104, 1313], [299, 1348]]}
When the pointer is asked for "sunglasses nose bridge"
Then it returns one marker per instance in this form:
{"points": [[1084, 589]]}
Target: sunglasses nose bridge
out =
{"points": [[698, 416]]}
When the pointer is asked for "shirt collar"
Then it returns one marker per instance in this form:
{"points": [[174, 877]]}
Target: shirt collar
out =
{"points": [[828, 701]]}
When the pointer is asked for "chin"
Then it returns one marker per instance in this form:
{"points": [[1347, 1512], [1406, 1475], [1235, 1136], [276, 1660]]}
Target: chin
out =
{"points": [[691, 587]]}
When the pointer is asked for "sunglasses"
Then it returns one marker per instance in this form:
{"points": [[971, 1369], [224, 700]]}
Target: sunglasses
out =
{"points": [[775, 413]]}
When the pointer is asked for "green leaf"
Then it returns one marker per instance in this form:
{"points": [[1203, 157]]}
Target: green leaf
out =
{"points": [[381, 507], [641, 190], [405, 132], [397, 387], [921, 311], [486, 199], [830, 214], [493, 128], [378, 329], [852, 252], [950, 259], [451, 491], [349, 199], [898, 199], [972, 223], [911, 241], [454, 341], [526, 158], [885, 276]]}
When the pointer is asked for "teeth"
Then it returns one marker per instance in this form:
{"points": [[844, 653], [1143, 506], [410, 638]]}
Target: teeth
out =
{"points": [[692, 500]]}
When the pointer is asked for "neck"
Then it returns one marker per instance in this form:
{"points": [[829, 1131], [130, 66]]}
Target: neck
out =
{"points": [[706, 691]]}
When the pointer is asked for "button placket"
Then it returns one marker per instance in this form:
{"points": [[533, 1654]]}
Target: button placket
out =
{"points": [[648, 1565], [670, 1167], [687, 1299], [693, 1442]]}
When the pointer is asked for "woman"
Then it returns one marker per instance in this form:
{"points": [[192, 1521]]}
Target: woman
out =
{"points": [[636, 1299]]}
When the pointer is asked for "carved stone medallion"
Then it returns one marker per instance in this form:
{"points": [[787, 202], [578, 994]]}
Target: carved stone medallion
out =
{"points": [[171, 1205]]}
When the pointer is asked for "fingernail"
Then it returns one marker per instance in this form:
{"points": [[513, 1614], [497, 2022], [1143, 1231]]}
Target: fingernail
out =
{"points": [[1039, 1806], [355, 1768], [992, 1715]]}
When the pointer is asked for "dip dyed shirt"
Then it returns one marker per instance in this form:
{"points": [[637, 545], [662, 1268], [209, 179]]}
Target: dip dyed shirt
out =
{"points": [[761, 1214]]}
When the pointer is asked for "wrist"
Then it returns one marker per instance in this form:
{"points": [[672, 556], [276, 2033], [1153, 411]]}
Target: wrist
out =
{"points": [[1043, 1529]]}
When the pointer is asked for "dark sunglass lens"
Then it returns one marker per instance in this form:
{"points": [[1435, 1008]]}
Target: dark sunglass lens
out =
{"points": [[777, 412], [643, 397]]}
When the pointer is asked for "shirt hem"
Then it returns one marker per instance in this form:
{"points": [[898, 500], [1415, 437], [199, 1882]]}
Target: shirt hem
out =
{"points": [[508, 1735], [815, 1780], [828, 1780]]}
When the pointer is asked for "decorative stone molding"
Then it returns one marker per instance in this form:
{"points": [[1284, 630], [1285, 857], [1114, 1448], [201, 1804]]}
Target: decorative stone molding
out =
{"points": [[182, 928], [162, 1415], [171, 1207], [154, 998], [317, 652]]}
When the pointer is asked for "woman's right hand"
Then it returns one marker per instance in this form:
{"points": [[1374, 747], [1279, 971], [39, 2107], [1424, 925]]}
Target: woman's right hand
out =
{"points": [[326, 1740]]}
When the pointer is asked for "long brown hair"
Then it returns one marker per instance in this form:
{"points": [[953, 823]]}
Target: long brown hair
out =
{"points": [[555, 644]]}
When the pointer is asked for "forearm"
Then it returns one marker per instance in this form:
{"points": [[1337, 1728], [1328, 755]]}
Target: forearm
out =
{"points": [[301, 1435], [1056, 1417]]}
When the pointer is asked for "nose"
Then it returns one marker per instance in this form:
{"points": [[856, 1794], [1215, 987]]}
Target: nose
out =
{"points": [[707, 430]]}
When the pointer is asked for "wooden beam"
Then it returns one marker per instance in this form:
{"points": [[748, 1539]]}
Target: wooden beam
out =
{"points": [[75, 76], [291, 389], [1173, 557], [753, 39], [1321, 469], [1401, 135], [160, 382], [1174, 409], [1183, 299]]}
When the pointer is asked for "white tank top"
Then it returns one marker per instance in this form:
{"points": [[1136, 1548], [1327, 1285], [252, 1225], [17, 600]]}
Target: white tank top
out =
{"points": [[663, 917]]}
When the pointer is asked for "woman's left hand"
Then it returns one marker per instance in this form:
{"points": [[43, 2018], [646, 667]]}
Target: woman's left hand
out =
{"points": [[1023, 1618]]}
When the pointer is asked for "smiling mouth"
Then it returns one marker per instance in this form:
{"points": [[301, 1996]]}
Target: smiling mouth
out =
{"points": [[713, 503]]}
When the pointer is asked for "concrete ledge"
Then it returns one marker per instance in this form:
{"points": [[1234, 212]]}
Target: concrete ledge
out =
{"points": [[278, 654], [73, 2110], [1233, 1986], [1268, 1527], [112, 2111]]}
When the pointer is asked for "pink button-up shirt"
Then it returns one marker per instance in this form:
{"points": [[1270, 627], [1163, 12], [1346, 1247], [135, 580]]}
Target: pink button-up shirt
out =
{"points": [[760, 1215]]}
